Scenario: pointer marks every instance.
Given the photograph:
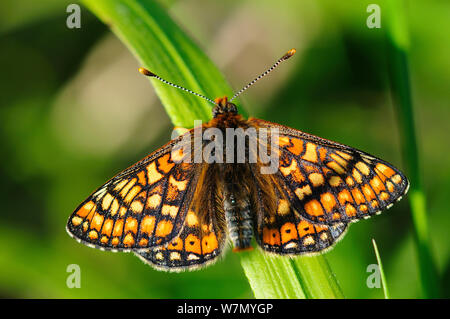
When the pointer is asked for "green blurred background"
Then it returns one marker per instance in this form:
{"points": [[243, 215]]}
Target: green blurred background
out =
{"points": [[74, 111]]}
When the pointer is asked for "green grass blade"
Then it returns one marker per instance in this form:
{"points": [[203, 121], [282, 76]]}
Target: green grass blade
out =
{"points": [[380, 265], [161, 46], [271, 277], [398, 47], [318, 280], [311, 276]]}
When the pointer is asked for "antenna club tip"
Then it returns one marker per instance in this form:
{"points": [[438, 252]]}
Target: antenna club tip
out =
{"points": [[146, 72], [288, 54]]}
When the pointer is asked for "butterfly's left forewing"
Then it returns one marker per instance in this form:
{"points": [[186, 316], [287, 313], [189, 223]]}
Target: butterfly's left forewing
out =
{"points": [[330, 183]]}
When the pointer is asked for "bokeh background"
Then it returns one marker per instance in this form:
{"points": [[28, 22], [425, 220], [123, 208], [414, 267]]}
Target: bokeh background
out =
{"points": [[74, 111]]}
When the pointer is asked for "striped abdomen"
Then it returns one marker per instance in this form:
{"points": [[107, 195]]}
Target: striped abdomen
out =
{"points": [[239, 222]]}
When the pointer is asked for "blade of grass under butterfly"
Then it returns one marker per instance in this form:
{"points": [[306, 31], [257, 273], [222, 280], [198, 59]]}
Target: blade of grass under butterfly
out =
{"points": [[380, 265], [318, 280], [161, 46], [271, 277], [315, 277], [398, 47]]}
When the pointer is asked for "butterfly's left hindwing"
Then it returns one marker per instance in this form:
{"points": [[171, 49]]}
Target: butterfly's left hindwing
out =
{"points": [[144, 206]]}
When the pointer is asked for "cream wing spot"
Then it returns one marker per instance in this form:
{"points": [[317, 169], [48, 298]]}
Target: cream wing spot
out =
{"points": [[336, 167], [344, 155], [316, 179], [125, 190], [122, 211], [120, 185], [308, 240], [349, 181], [180, 185], [177, 155], [77, 220], [291, 245], [114, 207], [170, 210], [93, 235], [107, 201], [310, 153], [339, 160], [100, 193], [357, 176], [289, 169], [159, 256], [397, 179], [384, 196], [153, 201], [192, 257], [335, 181], [152, 173], [363, 168], [301, 192], [283, 207], [390, 186], [137, 207], [191, 219], [175, 256], [132, 193]]}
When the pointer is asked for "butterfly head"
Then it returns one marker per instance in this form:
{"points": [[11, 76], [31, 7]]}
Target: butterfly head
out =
{"points": [[223, 106]]}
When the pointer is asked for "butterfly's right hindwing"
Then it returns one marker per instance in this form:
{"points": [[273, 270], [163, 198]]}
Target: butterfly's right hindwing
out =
{"points": [[198, 245], [202, 238]]}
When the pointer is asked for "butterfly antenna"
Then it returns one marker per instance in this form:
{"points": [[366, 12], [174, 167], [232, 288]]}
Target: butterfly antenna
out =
{"points": [[282, 59], [146, 72]]}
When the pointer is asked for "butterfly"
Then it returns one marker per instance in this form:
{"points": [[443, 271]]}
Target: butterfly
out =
{"points": [[177, 208]]}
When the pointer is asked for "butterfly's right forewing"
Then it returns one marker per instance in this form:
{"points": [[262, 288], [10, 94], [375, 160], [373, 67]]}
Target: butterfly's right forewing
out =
{"points": [[143, 206]]}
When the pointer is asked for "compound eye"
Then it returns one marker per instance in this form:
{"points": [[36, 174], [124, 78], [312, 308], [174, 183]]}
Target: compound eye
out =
{"points": [[231, 108]]}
